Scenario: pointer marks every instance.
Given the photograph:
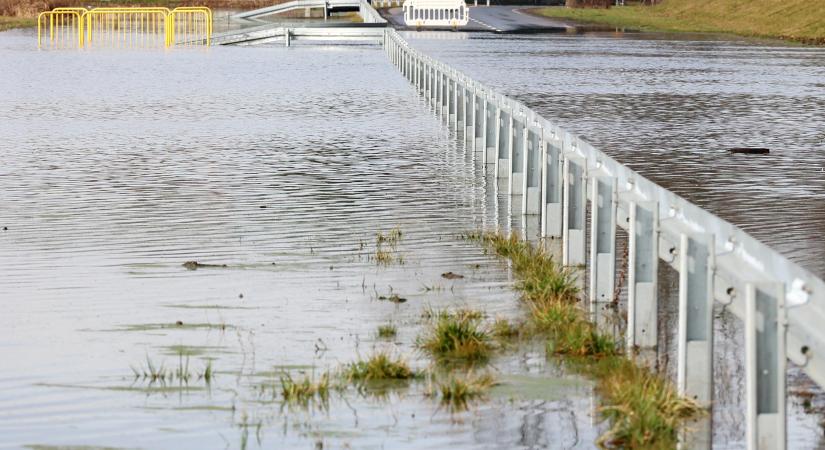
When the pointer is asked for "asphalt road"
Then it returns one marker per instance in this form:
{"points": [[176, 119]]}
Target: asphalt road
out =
{"points": [[497, 19]]}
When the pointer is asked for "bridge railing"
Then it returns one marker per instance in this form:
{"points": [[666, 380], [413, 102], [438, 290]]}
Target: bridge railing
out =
{"points": [[559, 176]]}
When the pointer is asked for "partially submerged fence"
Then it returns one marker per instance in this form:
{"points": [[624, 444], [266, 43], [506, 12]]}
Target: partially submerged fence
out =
{"points": [[124, 27], [558, 176]]}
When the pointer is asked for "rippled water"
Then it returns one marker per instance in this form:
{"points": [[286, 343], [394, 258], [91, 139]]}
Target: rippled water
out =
{"points": [[671, 107], [117, 167]]}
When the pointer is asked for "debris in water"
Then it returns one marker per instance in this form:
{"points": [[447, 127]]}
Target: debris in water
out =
{"points": [[451, 276], [194, 265], [750, 150], [393, 298]]}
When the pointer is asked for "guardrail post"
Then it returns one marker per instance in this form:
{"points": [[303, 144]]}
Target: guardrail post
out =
{"points": [[642, 276], [531, 186], [695, 337], [466, 104], [490, 117], [602, 250], [459, 104], [517, 155], [286, 37], [575, 211], [456, 104], [438, 89], [471, 117], [765, 366], [485, 157], [502, 144], [551, 194]]}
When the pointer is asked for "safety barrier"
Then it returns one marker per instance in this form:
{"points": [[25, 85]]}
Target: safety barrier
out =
{"points": [[65, 27], [558, 176], [443, 13], [125, 27]]}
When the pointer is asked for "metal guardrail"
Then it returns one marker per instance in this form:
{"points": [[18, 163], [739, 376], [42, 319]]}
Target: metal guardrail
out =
{"points": [[371, 30], [558, 175], [125, 27]]}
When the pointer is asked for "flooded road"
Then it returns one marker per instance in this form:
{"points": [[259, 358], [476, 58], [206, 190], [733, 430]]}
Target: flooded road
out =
{"points": [[671, 106], [281, 164]]}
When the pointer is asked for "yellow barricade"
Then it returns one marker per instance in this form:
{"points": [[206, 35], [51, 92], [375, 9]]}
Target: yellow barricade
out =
{"points": [[190, 25], [65, 27], [126, 27]]}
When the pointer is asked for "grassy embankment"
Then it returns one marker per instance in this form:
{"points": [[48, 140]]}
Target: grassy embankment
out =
{"points": [[641, 405], [795, 20]]}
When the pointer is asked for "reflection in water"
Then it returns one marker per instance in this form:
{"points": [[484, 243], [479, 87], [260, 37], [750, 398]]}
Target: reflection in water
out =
{"points": [[670, 107], [281, 164]]}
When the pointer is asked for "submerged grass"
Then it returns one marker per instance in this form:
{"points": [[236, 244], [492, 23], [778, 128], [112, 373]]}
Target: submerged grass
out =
{"points": [[303, 390], [387, 331], [457, 337], [642, 407], [386, 247], [457, 391]]}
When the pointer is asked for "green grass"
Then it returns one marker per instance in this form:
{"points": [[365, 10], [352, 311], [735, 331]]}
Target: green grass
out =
{"points": [[457, 337], [797, 20], [380, 366], [8, 23], [642, 407], [387, 331]]}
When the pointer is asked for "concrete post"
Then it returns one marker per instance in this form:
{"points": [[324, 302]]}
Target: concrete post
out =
{"points": [[602, 250], [765, 366], [575, 211], [552, 180], [695, 338], [642, 275]]}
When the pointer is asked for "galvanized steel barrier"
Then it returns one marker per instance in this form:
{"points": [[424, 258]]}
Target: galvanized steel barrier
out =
{"points": [[136, 27], [558, 175]]}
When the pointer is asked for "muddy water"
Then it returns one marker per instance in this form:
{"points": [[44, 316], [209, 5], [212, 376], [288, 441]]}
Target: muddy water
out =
{"points": [[670, 106], [282, 164]]}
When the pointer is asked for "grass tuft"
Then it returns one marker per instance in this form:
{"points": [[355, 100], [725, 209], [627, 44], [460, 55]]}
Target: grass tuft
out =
{"points": [[387, 331], [457, 337], [304, 390], [643, 408], [380, 366]]}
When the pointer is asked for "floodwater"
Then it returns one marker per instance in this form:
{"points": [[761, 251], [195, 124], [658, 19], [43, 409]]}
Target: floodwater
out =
{"points": [[282, 164], [670, 107]]}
